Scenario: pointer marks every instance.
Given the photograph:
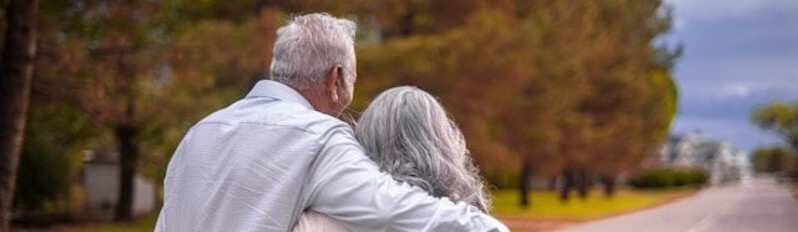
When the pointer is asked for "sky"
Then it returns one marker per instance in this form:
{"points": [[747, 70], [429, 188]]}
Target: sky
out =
{"points": [[738, 54]]}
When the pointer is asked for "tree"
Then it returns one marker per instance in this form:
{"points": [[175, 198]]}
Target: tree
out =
{"points": [[627, 109], [555, 85], [779, 117], [546, 88], [107, 60], [16, 72], [50, 158], [775, 160], [145, 71]]}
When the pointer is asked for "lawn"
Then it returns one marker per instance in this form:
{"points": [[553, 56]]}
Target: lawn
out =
{"points": [[142, 224], [547, 206]]}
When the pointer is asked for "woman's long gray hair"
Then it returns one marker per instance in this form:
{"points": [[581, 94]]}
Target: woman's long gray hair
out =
{"points": [[408, 133]]}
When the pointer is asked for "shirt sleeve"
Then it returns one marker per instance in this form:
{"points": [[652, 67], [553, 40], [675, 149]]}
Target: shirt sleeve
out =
{"points": [[347, 186]]}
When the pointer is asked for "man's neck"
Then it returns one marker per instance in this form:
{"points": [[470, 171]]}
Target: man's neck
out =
{"points": [[315, 96]]}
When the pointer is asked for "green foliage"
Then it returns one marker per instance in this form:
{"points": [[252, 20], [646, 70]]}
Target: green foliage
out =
{"points": [[144, 224], [775, 160], [781, 118], [667, 178], [50, 156], [44, 175]]}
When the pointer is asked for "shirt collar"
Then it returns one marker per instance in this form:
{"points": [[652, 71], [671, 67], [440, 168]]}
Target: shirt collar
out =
{"points": [[273, 89]]}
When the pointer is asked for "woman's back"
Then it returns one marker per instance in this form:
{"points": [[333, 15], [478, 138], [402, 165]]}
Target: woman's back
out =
{"points": [[408, 134]]}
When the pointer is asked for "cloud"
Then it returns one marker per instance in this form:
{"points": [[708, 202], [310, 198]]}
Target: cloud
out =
{"points": [[739, 132], [736, 90], [711, 91], [739, 54]]}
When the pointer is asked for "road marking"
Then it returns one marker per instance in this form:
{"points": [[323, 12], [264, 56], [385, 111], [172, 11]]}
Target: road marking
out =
{"points": [[707, 221], [703, 224]]}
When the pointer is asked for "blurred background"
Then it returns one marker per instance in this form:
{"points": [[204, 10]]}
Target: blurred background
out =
{"points": [[574, 111]]}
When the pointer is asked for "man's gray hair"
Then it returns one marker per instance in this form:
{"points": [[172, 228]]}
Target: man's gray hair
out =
{"points": [[309, 46], [408, 134]]}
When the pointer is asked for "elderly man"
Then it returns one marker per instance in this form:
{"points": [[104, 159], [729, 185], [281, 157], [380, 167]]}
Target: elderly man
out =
{"points": [[257, 164]]}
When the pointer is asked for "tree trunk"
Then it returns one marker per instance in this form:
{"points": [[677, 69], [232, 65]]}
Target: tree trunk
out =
{"points": [[552, 185], [16, 73], [609, 186], [128, 162], [567, 182], [583, 183], [526, 173], [407, 20]]}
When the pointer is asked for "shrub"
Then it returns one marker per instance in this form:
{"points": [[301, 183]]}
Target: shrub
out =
{"points": [[667, 178], [49, 159], [502, 179]]}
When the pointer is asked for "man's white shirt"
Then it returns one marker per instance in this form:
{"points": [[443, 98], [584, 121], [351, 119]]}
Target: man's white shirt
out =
{"points": [[257, 164]]}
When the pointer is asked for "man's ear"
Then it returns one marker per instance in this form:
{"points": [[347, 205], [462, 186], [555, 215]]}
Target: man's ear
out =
{"points": [[331, 82]]}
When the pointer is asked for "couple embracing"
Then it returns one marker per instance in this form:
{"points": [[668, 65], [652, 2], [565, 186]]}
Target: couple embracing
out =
{"points": [[281, 160]]}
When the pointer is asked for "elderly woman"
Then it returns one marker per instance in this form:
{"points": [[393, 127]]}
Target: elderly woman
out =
{"points": [[408, 134]]}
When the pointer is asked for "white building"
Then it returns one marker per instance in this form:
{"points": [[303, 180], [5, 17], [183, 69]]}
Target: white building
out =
{"points": [[723, 162], [101, 182]]}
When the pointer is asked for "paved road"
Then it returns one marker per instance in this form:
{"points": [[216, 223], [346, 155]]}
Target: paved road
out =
{"points": [[759, 205]]}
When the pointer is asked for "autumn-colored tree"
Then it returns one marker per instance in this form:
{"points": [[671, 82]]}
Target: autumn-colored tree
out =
{"points": [[610, 98], [632, 99], [106, 58], [555, 83], [145, 71], [565, 87], [545, 88]]}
